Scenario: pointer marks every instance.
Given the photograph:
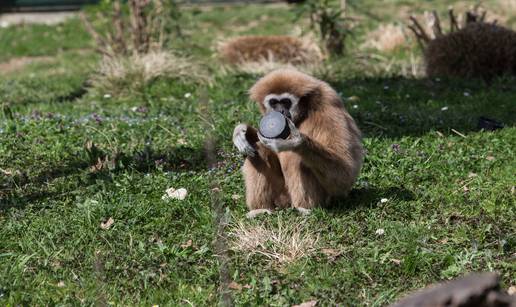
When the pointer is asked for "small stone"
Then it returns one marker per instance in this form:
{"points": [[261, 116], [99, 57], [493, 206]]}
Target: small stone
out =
{"points": [[383, 200], [380, 232], [172, 193]]}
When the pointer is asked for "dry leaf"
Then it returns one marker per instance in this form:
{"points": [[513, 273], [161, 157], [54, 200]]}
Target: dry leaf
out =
{"points": [[107, 224], [61, 284], [331, 253], [466, 189], [234, 286], [307, 304], [187, 244], [380, 232], [396, 261], [6, 172], [215, 190], [511, 290], [472, 175], [235, 197], [490, 158]]}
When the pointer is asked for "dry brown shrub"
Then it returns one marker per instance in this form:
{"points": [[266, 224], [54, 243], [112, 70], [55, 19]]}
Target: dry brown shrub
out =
{"points": [[480, 50], [283, 244], [263, 53], [473, 48], [132, 47]]}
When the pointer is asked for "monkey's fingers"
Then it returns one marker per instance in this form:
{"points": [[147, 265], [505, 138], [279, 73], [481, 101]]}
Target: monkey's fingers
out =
{"points": [[243, 145], [294, 132], [265, 141]]}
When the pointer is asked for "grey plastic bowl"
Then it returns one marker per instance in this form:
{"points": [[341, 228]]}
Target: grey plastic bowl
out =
{"points": [[274, 125]]}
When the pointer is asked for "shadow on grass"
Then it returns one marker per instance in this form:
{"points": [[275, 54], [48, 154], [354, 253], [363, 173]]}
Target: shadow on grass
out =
{"points": [[368, 198], [396, 107], [20, 190]]}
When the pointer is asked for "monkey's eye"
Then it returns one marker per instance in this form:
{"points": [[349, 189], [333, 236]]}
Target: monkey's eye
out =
{"points": [[273, 102]]}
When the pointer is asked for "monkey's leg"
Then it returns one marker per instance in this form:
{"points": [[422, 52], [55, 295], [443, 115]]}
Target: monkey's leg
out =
{"points": [[264, 183], [303, 187]]}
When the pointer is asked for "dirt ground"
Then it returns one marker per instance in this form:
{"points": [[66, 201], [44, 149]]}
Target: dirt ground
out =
{"points": [[49, 18]]}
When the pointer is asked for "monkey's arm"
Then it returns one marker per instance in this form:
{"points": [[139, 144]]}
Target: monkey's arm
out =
{"points": [[329, 167], [326, 161]]}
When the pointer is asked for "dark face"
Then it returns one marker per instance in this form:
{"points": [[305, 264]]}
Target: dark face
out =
{"points": [[285, 103]]}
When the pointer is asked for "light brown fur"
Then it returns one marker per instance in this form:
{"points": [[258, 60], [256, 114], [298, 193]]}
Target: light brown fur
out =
{"points": [[325, 166]]}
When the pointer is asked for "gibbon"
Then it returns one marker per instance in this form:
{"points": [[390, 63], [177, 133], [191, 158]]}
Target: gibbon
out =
{"points": [[321, 158]]}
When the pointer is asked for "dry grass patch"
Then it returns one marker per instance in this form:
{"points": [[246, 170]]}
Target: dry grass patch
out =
{"points": [[387, 37], [281, 244], [19, 63], [260, 54], [120, 74]]}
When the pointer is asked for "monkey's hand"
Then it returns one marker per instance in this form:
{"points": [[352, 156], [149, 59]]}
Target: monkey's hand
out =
{"points": [[241, 142], [295, 140]]}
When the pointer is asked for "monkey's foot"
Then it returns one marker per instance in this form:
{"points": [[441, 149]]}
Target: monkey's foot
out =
{"points": [[254, 213], [303, 211]]}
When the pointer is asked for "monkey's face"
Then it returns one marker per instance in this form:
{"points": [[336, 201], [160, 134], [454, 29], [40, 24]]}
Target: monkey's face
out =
{"points": [[286, 103]]}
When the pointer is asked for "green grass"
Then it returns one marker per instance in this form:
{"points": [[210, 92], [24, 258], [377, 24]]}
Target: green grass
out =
{"points": [[53, 250]]}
